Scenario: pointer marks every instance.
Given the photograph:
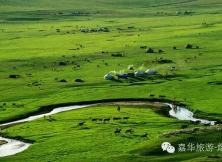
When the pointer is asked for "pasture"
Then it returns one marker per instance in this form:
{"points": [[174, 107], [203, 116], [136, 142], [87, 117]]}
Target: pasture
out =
{"points": [[53, 53]]}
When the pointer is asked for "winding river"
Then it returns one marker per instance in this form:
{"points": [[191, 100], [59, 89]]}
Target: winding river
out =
{"points": [[12, 147]]}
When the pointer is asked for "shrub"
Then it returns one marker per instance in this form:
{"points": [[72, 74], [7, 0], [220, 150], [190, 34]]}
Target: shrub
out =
{"points": [[63, 80], [79, 80], [189, 46], [149, 50]]}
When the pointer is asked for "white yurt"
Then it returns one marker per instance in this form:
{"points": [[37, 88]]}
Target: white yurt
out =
{"points": [[139, 73], [108, 76], [150, 72]]}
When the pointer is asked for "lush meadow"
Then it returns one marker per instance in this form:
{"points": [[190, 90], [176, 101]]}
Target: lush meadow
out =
{"points": [[59, 52]]}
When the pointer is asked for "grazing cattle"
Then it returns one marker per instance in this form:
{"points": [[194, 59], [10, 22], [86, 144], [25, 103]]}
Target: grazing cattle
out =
{"points": [[218, 122], [184, 126], [145, 135], [126, 118], [94, 120], [117, 55], [196, 122], [28, 74], [196, 129], [162, 96], [117, 131], [62, 63], [118, 108], [174, 47], [163, 61], [103, 29], [129, 131], [117, 118], [106, 120], [152, 95], [36, 83], [50, 118], [173, 68], [143, 47], [81, 123], [160, 51], [14, 76]]}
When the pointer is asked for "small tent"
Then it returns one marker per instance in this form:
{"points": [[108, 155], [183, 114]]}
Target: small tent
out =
{"points": [[109, 76]]}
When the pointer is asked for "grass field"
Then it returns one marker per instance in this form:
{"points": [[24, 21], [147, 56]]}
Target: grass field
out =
{"points": [[41, 44], [96, 141]]}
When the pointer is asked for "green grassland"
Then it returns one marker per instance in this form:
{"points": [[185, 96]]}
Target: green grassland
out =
{"points": [[63, 140], [36, 36]]}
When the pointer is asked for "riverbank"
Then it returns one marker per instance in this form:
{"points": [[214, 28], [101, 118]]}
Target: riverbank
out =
{"points": [[165, 108], [12, 147], [49, 108], [95, 140], [2, 142]]}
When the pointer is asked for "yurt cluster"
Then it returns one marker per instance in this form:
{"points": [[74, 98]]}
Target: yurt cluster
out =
{"points": [[130, 73]]}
